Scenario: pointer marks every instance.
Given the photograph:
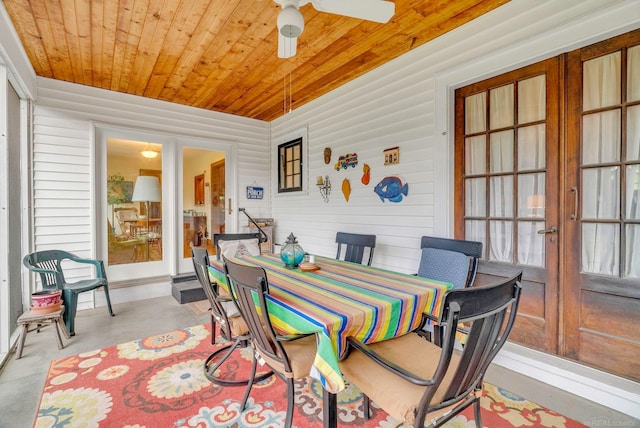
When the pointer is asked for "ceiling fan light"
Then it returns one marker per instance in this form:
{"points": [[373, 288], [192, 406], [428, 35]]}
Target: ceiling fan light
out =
{"points": [[290, 22]]}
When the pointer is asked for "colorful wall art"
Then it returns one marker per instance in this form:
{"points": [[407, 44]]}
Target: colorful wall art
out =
{"points": [[348, 160], [346, 189], [366, 174], [392, 155], [392, 189]]}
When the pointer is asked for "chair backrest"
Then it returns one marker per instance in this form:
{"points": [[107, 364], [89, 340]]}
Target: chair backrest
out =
{"points": [[355, 245], [486, 308], [450, 260], [48, 264], [250, 287], [200, 258], [236, 244]]}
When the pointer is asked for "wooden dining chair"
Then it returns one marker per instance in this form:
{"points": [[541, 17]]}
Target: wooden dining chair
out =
{"points": [[226, 316], [414, 380], [355, 245], [290, 357]]}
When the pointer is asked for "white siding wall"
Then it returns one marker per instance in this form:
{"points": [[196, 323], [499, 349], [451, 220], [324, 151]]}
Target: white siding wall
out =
{"points": [[64, 171], [408, 103]]}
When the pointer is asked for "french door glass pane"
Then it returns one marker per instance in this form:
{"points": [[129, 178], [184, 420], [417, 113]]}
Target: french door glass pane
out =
{"points": [[530, 243], [475, 118], [601, 193], [475, 197], [601, 137], [501, 233], [531, 147], [475, 230], [532, 99], [531, 195], [633, 132], [632, 251], [501, 155], [475, 155], [633, 192], [501, 196], [600, 243], [633, 74], [501, 102], [601, 82]]}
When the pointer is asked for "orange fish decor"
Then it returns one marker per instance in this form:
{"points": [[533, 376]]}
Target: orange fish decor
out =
{"points": [[366, 174], [346, 189]]}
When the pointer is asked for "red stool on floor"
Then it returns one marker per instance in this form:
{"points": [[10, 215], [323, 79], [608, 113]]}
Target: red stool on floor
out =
{"points": [[30, 317]]}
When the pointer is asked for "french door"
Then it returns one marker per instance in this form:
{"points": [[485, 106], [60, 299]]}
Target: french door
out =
{"points": [[603, 206], [507, 188], [548, 178]]}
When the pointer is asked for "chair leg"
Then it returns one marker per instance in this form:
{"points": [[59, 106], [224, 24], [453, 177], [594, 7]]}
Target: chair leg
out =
{"points": [[70, 306], [213, 330], [290, 397], [476, 411], [366, 409], [106, 295], [254, 365]]}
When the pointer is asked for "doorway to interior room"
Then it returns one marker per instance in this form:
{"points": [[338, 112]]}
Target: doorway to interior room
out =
{"points": [[204, 199]]}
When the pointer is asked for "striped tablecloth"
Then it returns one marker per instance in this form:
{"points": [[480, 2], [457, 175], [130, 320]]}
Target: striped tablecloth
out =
{"points": [[342, 299]]}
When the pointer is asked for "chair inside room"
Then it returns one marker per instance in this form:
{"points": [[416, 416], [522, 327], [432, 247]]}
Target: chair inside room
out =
{"points": [[49, 265], [414, 380], [236, 244], [226, 316], [127, 218], [290, 357], [450, 260], [355, 247]]}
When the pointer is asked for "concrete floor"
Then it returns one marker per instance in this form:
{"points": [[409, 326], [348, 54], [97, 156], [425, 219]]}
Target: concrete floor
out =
{"points": [[21, 381]]}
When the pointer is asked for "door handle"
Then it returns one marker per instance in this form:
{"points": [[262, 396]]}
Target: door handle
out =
{"points": [[552, 230], [230, 210]]}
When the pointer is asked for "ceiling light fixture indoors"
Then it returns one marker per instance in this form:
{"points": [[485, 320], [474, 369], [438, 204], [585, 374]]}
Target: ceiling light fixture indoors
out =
{"points": [[148, 152]]}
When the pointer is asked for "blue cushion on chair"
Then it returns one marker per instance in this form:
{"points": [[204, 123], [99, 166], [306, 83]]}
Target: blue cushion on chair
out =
{"points": [[444, 265]]}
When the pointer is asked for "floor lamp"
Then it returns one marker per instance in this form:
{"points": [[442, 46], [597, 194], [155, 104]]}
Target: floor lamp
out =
{"points": [[147, 189]]}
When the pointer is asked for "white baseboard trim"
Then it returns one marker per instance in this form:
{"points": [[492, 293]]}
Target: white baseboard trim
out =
{"points": [[612, 391]]}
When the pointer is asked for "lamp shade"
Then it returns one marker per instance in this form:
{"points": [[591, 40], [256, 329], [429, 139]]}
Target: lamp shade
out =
{"points": [[147, 189]]}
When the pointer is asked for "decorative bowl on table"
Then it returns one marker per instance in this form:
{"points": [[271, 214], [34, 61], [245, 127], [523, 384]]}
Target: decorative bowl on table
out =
{"points": [[46, 301]]}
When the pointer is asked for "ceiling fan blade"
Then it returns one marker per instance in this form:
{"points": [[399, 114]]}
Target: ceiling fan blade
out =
{"points": [[286, 46], [371, 10]]}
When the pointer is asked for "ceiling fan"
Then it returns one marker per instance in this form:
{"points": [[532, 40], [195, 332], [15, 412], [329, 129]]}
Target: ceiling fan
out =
{"points": [[291, 21]]}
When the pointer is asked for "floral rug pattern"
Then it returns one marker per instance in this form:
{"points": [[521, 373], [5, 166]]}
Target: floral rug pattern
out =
{"points": [[159, 381]]}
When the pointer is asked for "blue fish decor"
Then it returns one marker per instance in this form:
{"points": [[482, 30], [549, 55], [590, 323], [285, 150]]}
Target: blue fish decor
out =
{"points": [[391, 188]]}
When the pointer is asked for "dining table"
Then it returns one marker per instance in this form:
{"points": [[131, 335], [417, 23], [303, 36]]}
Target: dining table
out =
{"points": [[338, 300]]}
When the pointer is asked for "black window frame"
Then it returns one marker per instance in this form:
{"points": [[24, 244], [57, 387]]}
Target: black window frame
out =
{"points": [[283, 160]]}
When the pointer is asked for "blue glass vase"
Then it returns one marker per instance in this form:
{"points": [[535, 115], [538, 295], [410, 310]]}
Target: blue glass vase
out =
{"points": [[291, 252]]}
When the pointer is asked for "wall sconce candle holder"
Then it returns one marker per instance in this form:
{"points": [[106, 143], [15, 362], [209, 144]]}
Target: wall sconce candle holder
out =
{"points": [[324, 185]]}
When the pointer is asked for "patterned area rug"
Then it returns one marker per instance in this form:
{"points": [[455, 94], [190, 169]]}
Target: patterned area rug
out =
{"points": [[159, 382]]}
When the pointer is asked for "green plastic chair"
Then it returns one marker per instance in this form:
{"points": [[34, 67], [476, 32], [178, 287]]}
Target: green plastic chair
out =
{"points": [[49, 265]]}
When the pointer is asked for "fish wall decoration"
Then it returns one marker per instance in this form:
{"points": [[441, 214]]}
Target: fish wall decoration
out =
{"points": [[391, 188]]}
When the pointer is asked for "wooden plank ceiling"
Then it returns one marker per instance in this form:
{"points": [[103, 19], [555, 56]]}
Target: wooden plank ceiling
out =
{"points": [[220, 55]]}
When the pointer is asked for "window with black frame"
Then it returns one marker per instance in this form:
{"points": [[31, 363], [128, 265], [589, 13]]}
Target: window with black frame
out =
{"points": [[290, 166]]}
